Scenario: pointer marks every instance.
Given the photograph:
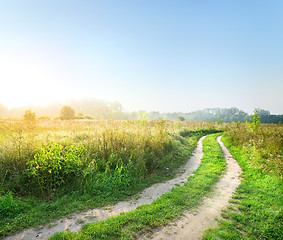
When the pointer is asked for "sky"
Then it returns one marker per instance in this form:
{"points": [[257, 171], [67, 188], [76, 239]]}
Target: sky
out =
{"points": [[152, 55]]}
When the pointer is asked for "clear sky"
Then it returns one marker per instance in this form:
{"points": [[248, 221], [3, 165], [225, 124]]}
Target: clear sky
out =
{"points": [[154, 55]]}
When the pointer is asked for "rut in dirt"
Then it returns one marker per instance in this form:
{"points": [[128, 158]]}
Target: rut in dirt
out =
{"points": [[147, 196], [192, 225]]}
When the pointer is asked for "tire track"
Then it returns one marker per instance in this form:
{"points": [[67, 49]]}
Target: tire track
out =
{"points": [[147, 196], [192, 225]]}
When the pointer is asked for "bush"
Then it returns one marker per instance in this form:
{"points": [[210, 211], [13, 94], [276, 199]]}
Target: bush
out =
{"points": [[29, 116], [67, 112], [53, 166]]}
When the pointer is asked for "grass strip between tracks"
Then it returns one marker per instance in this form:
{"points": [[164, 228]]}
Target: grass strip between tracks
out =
{"points": [[257, 211], [168, 207]]}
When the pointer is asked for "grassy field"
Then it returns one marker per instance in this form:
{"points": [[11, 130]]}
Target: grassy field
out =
{"points": [[256, 207], [256, 211], [49, 169], [168, 207]]}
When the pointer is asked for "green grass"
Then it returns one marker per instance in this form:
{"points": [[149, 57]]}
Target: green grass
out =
{"points": [[98, 188], [168, 207], [18, 213], [258, 201], [51, 169]]}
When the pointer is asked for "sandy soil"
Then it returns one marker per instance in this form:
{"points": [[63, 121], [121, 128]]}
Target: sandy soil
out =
{"points": [[193, 224], [150, 194]]}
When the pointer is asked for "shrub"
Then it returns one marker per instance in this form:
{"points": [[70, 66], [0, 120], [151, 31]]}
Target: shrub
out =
{"points": [[67, 112], [29, 116], [53, 166]]}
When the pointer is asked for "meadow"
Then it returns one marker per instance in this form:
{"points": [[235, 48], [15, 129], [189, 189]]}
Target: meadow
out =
{"points": [[256, 207], [167, 208], [51, 168]]}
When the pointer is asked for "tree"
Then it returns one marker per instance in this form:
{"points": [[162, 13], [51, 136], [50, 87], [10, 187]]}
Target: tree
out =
{"points": [[67, 112], [181, 118], [254, 125], [262, 112], [29, 116], [80, 116]]}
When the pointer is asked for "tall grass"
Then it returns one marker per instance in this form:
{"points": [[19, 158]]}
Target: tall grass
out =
{"points": [[30, 155], [265, 146], [168, 207], [39, 152], [74, 165]]}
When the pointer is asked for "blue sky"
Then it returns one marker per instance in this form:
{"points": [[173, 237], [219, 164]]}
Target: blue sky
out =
{"points": [[154, 55]]}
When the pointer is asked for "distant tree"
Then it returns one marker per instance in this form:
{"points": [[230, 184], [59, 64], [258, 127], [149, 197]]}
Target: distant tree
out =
{"points": [[181, 118], [88, 117], [80, 116], [262, 112], [116, 107], [67, 112], [29, 116]]}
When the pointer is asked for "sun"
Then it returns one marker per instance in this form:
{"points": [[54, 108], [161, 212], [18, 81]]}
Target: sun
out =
{"points": [[29, 83], [31, 92]]}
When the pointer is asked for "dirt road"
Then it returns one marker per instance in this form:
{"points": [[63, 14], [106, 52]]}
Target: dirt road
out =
{"points": [[146, 197], [192, 225]]}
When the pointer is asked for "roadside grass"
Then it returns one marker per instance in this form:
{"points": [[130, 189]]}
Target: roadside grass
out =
{"points": [[256, 211], [18, 213], [121, 159], [167, 208]]}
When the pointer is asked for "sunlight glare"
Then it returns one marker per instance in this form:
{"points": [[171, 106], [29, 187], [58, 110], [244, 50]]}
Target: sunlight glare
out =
{"points": [[27, 83]]}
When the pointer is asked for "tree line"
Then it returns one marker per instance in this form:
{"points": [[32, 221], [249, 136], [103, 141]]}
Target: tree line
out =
{"points": [[103, 110], [218, 115]]}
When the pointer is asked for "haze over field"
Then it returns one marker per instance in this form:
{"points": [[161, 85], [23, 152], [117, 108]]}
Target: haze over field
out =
{"points": [[167, 56]]}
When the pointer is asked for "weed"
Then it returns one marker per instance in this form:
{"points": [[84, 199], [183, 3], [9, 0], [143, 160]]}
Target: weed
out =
{"points": [[165, 209], [54, 166], [59, 167]]}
